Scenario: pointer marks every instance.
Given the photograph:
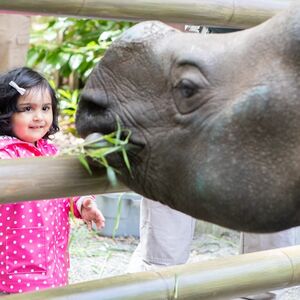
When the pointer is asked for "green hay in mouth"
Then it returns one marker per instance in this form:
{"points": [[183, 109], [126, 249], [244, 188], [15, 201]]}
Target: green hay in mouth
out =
{"points": [[99, 148]]}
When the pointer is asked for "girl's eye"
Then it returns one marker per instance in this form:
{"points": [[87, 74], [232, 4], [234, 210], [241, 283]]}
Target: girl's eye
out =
{"points": [[45, 108], [25, 108]]}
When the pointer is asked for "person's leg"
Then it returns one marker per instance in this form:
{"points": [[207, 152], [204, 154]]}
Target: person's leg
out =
{"points": [[251, 242], [165, 237], [14, 41]]}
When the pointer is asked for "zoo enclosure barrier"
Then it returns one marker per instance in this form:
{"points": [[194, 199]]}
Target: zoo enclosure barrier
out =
{"points": [[23, 179]]}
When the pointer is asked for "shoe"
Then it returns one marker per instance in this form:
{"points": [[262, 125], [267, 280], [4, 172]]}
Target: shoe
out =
{"points": [[264, 296]]}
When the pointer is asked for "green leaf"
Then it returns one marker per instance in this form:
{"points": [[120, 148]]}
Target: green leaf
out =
{"points": [[32, 57], [50, 36], [99, 152], [65, 70], [63, 58], [75, 61], [111, 175], [118, 216], [84, 162], [64, 93], [126, 160]]}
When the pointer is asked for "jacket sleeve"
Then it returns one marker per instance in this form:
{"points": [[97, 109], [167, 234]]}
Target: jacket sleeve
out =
{"points": [[74, 207], [76, 203]]}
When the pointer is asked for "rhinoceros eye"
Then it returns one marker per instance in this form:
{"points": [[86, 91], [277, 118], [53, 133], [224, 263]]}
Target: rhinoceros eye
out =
{"points": [[187, 88]]}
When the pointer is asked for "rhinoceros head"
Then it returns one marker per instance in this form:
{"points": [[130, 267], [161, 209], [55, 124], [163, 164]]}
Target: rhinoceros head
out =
{"points": [[215, 118]]}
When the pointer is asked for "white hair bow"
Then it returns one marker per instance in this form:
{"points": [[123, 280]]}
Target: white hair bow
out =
{"points": [[20, 90]]}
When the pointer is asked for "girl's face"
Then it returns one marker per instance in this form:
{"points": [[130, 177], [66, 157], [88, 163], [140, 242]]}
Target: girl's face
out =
{"points": [[34, 116]]}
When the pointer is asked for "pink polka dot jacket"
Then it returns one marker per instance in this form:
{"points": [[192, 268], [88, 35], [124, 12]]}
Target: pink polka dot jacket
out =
{"points": [[34, 235]]}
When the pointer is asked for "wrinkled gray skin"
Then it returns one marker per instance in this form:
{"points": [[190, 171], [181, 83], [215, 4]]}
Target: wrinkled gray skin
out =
{"points": [[216, 119]]}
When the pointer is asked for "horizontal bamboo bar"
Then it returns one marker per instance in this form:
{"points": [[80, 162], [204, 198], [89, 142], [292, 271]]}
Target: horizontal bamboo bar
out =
{"points": [[49, 177], [222, 278], [229, 13]]}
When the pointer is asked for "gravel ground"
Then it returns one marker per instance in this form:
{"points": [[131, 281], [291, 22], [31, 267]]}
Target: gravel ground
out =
{"points": [[94, 256]]}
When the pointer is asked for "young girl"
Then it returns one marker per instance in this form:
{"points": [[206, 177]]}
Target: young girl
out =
{"points": [[34, 235]]}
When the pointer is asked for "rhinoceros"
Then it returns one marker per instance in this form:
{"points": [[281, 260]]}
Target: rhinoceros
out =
{"points": [[215, 119]]}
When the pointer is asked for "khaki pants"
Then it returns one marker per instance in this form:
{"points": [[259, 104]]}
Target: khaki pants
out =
{"points": [[165, 237], [14, 41], [251, 242]]}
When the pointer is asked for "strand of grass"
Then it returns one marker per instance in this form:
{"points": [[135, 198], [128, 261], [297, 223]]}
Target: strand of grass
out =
{"points": [[116, 142], [111, 174], [113, 138], [85, 163], [126, 160], [175, 292], [97, 153], [102, 152], [119, 130], [109, 253], [118, 216]]}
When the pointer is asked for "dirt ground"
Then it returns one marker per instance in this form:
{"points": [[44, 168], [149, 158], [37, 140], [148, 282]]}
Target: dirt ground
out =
{"points": [[94, 257]]}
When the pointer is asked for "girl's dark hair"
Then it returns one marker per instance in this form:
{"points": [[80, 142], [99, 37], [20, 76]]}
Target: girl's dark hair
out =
{"points": [[25, 78]]}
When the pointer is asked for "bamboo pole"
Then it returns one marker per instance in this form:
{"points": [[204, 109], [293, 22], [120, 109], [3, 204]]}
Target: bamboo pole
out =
{"points": [[49, 177], [223, 278], [230, 13]]}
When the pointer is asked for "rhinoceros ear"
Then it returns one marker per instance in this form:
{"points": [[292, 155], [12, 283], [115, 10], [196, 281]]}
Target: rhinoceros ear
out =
{"points": [[190, 88]]}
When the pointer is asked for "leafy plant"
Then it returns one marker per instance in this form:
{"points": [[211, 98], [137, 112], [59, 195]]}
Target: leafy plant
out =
{"points": [[70, 45], [118, 216], [99, 147], [66, 50], [68, 101]]}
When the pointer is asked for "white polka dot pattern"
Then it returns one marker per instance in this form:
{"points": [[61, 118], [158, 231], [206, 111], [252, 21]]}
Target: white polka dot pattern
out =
{"points": [[34, 235]]}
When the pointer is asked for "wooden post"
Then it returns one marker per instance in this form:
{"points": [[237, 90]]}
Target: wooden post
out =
{"points": [[14, 41], [228, 13]]}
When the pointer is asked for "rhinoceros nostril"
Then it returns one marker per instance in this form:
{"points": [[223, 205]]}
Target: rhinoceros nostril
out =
{"points": [[98, 98]]}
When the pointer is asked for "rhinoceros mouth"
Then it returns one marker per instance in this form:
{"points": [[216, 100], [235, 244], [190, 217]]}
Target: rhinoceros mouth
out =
{"points": [[115, 155]]}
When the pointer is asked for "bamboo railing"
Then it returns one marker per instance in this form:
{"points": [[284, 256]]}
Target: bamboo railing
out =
{"points": [[45, 178], [217, 279], [231, 13], [26, 179]]}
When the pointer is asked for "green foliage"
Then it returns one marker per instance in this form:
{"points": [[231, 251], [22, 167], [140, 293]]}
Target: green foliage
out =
{"points": [[70, 45], [68, 101], [98, 147], [66, 50], [118, 216]]}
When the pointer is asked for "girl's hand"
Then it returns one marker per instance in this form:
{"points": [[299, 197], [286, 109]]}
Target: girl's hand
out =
{"points": [[90, 213]]}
